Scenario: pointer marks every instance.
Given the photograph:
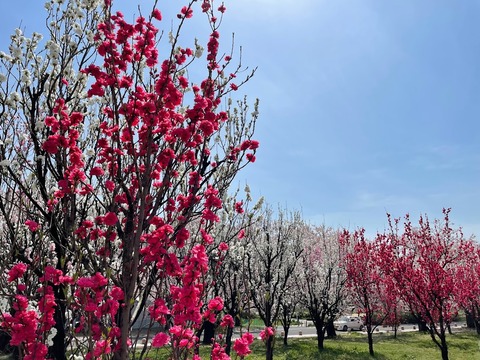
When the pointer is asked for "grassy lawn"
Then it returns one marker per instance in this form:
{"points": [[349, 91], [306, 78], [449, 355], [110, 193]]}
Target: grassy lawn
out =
{"points": [[407, 346]]}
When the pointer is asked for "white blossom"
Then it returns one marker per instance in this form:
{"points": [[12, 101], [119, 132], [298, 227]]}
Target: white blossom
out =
{"points": [[51, 335], [16, 52], [78, 29], [39, 125], [26, 77], [198, 49], [15, 96]]}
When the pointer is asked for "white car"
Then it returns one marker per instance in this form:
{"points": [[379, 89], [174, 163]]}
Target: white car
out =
{"points": [[348, 323]]}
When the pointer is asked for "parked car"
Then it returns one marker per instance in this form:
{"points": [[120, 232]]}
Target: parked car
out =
{"points": [[345, 323]]}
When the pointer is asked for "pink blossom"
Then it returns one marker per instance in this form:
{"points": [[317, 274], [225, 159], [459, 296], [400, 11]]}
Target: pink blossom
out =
{"points": [[239, 207], [157, 14], [16, 272], [110, 185], [32, 225], [95, 281], [218, 353], [85, 282], [51, 144], [161, 339], [96, 171], [205, 6], [102, 347], [182, 235], [51, 275], [207, 127], [206, 236], [228, 321], [210, 316], [110, 219], [52, 122], [117, 293], [36, 351], [187, 12], [241, 346], [159, 310], [266, 333]]}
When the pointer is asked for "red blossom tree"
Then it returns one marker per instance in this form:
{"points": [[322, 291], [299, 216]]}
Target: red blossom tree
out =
{"points": [[114, 163], [467, 283], [366, 284], [426, 261]]}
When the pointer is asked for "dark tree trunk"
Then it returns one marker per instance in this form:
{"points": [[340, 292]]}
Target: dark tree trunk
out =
{"points": [[370, 341], [269, 354], [444, 354], [234, 313], [470, 317], [331, 333], [473, 319], [422, 326], [234, 310], [58, 349], [208, 332], [228, 341], [320, 328], [285, 335], [320, 338], [288, 309], [477, 326], [444, 347]]}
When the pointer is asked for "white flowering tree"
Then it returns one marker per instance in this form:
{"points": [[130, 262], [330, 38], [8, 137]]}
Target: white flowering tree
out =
{"points": [[289, 303], [322, 281], [227, 275], [273, 250], [114, 162]]}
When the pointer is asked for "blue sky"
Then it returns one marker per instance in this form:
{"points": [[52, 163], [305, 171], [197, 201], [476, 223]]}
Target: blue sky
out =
{"points": [[366, 106]]}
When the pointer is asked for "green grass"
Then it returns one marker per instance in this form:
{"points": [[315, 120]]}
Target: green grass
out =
{"points": [[354, 346], [255, 323]]}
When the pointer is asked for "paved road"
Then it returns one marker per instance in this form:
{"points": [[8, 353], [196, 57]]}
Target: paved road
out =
{"points": [[309, 331]]}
